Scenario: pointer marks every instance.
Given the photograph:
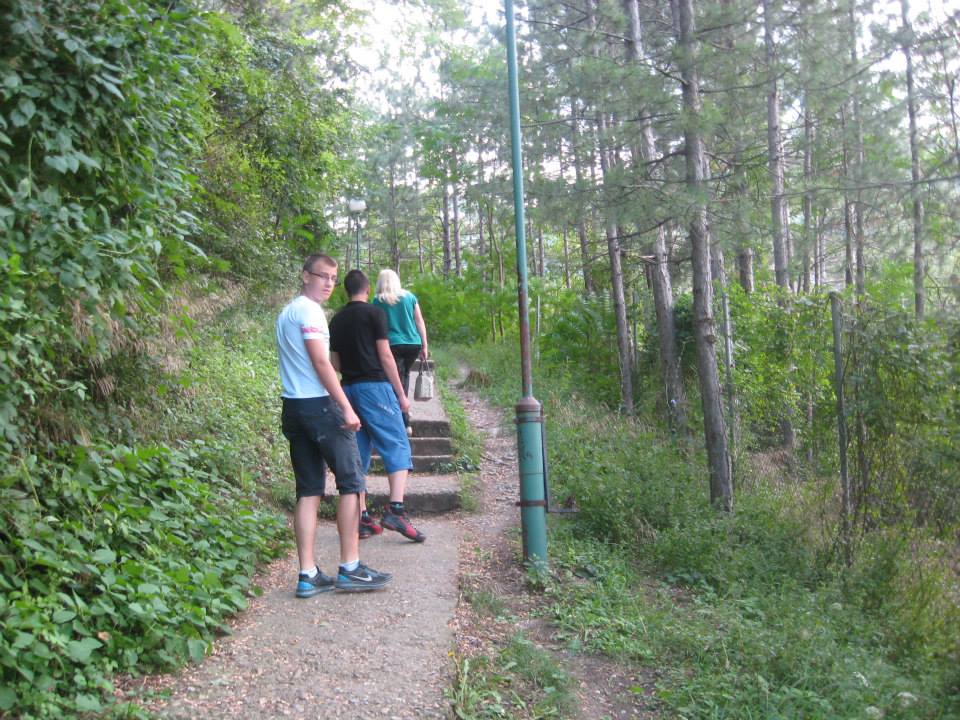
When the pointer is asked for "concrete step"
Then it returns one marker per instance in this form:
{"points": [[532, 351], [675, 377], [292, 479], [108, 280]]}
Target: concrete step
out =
{"points": [[422, 446], [423, 494], [418, 363], [421, 463], [423, 428], [426, 446]]}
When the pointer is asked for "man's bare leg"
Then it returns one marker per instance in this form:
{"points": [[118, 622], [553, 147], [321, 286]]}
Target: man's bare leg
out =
{"points": [[305, 530], [398, 484], [348, 524]]}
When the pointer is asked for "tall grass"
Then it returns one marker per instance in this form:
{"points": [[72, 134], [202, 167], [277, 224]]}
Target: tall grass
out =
{"points": [[746, 615]]}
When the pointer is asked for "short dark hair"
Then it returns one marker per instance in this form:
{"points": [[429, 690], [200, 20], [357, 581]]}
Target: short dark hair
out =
{"points": [[355, 282], [318, 257]]}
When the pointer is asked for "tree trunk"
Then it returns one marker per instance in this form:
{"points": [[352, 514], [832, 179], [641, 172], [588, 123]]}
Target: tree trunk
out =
{"points": [[719, 274], [856, 118], [745, 268], [778, 202], [919, 295], [809, 241], [495, 249], [718, 457], [446, 231], [458, 265], [849, 207], [581, 220], [616, 283], [394, 232], [950, 80], [419, 246], [659, 270], [541, 252]]}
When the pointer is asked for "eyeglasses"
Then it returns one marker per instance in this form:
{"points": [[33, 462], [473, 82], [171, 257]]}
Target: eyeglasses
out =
{"points": [[324, 276]]}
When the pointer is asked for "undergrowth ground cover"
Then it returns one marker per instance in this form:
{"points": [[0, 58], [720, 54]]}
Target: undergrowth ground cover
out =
{"points": [[747, 615], [125, 550]]}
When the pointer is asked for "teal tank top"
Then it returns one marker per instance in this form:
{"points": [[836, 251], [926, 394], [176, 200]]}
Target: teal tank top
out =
{"points": [[401, 328]]}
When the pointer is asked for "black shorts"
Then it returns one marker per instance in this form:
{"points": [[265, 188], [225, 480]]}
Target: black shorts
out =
{"points": [[314, 427]]}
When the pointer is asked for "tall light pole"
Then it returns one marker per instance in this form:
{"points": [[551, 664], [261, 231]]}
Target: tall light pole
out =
{"points": [[356, 206], [529, 411]]}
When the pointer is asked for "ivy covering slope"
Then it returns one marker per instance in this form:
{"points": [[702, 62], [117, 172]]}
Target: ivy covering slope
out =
{"points": [[159, 162]]}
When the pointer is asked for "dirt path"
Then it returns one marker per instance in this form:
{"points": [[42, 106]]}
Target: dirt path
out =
{"points": [[388, 654], [375, 655], [490, 564]]}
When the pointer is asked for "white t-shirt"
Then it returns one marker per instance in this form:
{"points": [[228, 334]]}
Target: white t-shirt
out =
{"points": [[302, 319]]}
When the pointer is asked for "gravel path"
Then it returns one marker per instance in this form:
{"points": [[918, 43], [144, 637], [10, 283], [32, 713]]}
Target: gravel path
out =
{"points": [[388, 654], [373, 655], [383, 654]]}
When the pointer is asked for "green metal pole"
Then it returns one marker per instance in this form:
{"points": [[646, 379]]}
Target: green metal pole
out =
{"points": [[530, 446], [357, 218]]}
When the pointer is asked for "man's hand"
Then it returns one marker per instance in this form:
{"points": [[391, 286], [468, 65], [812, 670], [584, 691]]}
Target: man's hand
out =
{"points": [[351, 421], [404, 403]]}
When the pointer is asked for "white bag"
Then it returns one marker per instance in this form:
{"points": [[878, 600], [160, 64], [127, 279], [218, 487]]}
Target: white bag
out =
{"points": [[424, 387]]}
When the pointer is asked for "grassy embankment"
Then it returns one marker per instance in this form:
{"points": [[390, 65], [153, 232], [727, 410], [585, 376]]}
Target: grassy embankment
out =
{"points": [[127, 544], [748, 615]]}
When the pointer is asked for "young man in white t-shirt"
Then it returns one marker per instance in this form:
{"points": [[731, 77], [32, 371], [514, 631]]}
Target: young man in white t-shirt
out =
{"points": [[321, 426]]}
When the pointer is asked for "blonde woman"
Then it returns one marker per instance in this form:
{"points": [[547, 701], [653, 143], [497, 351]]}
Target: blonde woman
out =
{"points": [[406, 329]]}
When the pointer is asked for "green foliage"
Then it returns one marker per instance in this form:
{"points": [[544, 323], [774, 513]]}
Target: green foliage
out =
{"points": [[231, 392], [577, 333], [462, 310], [495, 687], [467, 442], [270, 161], [98, 117], [150, 547], [773, 651], [900, 386], [745, 613], [902, 380], [117, 559], [783, 365]]}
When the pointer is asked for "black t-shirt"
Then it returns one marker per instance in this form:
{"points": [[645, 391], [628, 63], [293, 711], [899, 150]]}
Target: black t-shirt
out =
{"points": [[354, 332]]}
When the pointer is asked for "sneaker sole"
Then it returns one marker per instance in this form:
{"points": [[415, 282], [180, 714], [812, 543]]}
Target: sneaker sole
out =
{"points": [[314, 591], [419, 538], [353, 587]]}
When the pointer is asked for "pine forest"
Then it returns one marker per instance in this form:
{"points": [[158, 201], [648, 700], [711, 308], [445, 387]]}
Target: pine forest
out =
{"points": [[741, 254]]}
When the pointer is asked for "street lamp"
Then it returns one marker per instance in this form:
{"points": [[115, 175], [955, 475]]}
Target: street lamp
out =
{"points": [[356, 206], [531, 450]]}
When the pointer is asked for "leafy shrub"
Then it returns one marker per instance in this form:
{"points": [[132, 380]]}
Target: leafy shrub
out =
{"points": [[117, 559], [903, 383], [462, 310], [747, 616], [577, 335], [98, 113]]}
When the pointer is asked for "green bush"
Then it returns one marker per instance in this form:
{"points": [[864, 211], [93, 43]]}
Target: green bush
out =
{"points": [[746, 614], [117, 559], [463, 310], [99, 108]]}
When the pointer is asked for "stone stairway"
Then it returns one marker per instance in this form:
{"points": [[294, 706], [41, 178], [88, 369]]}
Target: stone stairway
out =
{"points": [[432, 487]]}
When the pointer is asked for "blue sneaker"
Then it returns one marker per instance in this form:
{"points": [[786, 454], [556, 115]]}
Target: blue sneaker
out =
{"points": [[308, 587], [362, 579]]}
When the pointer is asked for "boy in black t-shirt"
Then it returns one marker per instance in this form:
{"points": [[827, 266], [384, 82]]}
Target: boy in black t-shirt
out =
{"points": [[360, 350]]}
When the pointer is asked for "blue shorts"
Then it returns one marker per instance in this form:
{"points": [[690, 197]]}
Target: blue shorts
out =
{"points": [[314, 427], [381, 425]]}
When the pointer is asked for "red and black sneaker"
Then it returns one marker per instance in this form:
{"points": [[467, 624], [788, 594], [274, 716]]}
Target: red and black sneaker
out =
{"points": [[368, 527], [400, 524]]}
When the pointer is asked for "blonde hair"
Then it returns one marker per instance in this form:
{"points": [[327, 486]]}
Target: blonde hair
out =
{"points": [[388, 288]]}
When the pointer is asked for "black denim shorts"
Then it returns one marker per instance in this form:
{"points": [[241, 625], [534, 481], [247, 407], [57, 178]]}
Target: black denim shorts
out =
{"points": [[314, 427]]}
